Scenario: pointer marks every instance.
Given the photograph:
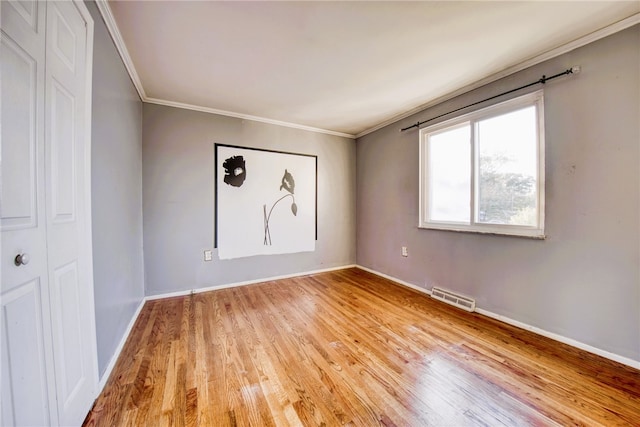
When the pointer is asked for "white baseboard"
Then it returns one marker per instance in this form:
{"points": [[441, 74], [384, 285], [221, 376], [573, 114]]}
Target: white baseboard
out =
{"points": [[248, 282], [116, 353], [569, 341], [393, 279]]}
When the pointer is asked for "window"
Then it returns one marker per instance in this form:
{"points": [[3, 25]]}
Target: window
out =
{"points": [[484, 171]]}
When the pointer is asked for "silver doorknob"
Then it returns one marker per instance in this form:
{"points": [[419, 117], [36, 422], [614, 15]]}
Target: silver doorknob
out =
{"points": [[22, 259]]}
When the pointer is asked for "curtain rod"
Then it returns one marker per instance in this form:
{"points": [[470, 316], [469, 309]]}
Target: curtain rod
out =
{"points": [[542, 80]]}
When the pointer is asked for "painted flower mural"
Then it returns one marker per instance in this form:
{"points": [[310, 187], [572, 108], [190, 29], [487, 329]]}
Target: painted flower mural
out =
{"points": [[285, 186], [289, 184]]}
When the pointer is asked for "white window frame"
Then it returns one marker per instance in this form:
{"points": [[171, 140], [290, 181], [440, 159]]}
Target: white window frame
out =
{"points": [[532, 99]]}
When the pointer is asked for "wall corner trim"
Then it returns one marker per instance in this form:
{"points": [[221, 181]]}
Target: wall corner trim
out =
{"points": [[556, 337]]}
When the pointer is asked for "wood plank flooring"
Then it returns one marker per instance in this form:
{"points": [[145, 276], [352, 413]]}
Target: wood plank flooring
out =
{"points": [[350, 348]]}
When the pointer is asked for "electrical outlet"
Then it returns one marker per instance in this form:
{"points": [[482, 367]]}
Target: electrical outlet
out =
{"points": [[207, 256], [405, 252]]}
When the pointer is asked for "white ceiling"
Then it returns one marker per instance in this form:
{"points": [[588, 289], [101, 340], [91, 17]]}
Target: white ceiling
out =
{"points": [[342, 67]]}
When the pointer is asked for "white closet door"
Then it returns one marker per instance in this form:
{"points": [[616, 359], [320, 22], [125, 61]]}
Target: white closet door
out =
{"points": [[70, 275], [48, 353], [27, 375]]}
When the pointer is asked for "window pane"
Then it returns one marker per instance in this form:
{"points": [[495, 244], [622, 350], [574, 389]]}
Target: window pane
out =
{"points": [[450, 175], [507, 169]]}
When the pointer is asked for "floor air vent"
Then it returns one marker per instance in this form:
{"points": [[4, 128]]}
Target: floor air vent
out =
{"points": [[449, 297]]}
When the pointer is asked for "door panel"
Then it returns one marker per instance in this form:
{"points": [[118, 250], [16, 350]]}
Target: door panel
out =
{"points": [[72, 370], [19, 73], [28, 11], [64, 41], [61, 146], [69, 273], [24, 378]]}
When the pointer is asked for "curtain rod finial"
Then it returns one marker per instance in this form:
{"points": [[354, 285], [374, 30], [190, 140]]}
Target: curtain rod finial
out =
{"points": [[575, 69]]}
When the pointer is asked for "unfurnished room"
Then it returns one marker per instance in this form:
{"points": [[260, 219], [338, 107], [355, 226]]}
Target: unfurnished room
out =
{"points": [[320, 213]]}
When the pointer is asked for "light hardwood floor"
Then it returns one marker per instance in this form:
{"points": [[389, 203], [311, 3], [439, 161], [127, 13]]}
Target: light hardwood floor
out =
{"points": [[350, 348]]}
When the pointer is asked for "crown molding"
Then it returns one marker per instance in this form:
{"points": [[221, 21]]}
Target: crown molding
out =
{"points": [[568, 47], [116, 36], [244, 117]]}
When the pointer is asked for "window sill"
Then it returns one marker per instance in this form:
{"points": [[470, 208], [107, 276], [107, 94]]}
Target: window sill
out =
{"points": [[532, 234]]}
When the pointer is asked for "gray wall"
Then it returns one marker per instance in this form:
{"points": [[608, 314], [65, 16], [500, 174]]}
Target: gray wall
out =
{"points": [[116, 188], [583, 281], [178, 189]]}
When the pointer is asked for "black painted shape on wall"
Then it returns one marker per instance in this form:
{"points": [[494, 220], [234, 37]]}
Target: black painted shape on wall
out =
{"points": [[235, 171]]}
